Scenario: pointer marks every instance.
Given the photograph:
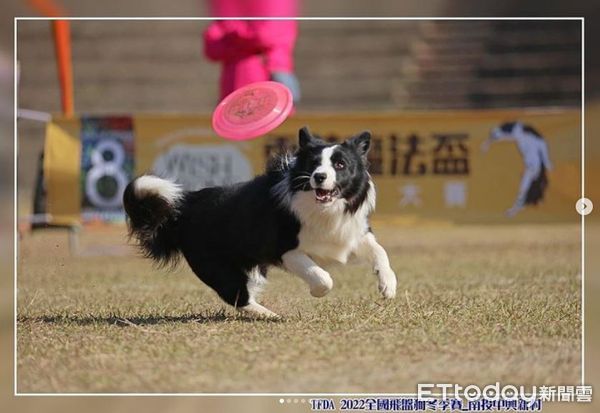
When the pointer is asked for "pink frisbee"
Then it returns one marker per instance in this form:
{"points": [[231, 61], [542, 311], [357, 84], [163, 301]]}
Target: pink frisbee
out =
{"points": [[252, 110]]}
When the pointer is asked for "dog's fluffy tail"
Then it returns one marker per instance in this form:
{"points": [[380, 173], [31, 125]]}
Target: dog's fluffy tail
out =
{"points": [[152, 205]]}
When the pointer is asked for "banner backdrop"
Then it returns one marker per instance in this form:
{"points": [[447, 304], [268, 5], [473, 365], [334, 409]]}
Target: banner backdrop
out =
{"points": [[427, 166]]}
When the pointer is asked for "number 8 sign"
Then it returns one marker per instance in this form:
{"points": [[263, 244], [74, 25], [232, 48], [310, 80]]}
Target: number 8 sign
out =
{"points": [[104, 168], [106, 163]]}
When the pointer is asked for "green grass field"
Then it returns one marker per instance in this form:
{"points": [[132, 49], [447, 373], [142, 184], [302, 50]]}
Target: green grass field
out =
{"points": [[475, 305]]}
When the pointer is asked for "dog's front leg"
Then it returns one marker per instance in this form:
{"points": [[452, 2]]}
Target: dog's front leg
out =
{"points": [[318, 279], [374, 253]]}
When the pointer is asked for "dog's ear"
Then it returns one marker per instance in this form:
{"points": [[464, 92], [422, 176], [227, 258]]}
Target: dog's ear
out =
{"points": [[304, 137], [361, 142]]}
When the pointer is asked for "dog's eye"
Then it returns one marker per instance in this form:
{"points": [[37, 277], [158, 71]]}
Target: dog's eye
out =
{"points": [[339, 165]]}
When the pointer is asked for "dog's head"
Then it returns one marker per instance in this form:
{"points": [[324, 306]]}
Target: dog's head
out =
{"points": [[332, 172], [515, 130]]}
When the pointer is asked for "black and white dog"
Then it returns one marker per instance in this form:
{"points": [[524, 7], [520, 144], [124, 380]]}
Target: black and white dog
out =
{"points": [[308, 210], [536, 159]]}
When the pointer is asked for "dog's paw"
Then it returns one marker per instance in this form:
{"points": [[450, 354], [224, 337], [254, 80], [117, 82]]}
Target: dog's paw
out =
{"points": [[321, 284], [512, 211], [387, 283]]}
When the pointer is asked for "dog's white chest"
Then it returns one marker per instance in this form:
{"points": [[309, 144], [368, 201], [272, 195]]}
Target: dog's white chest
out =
{"points": [[328, 234]]}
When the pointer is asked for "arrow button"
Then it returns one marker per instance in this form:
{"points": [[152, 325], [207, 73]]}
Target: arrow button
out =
{"points": [[584, 206]]}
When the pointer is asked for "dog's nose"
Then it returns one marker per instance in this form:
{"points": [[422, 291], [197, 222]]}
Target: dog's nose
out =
{"points": [[319, 177]]}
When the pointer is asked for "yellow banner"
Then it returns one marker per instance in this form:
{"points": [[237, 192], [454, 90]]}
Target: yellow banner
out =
{"points": [[426, 165], [62, 149]]}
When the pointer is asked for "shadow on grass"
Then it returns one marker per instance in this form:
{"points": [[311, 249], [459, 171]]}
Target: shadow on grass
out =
{"points": [[142, 320]]}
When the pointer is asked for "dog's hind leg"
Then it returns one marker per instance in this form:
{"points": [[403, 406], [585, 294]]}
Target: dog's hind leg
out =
{"points": [[254, 308], [254, 285], [235, 286]]}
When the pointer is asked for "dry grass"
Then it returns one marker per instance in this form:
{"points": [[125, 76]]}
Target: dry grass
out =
{"points": [[475, 305]]}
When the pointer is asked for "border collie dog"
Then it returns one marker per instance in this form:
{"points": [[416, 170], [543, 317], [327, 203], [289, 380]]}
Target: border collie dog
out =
{"points": [[534, 151], [309, 210]]}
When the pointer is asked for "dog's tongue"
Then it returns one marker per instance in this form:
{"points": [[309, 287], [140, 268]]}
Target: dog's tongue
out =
{"points": [[323, 195]]}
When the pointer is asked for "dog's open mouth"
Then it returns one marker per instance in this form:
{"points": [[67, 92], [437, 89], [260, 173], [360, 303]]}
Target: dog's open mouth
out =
{"points": [[325, 195]]}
